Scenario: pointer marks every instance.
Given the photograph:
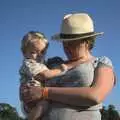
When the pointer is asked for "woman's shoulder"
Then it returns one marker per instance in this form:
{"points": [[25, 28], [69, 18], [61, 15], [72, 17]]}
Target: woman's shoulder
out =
{"points": [[104, 61]]}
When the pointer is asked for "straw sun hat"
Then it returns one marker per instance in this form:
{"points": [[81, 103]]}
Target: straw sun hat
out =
{"points": [[75, 27]]}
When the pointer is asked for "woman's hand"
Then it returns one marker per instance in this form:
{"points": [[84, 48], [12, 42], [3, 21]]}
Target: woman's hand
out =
{"points": [[29, 93]]}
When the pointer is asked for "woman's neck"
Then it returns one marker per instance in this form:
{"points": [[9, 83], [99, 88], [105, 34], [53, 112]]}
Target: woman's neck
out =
{"points": [[71, 63], [81, 58]]}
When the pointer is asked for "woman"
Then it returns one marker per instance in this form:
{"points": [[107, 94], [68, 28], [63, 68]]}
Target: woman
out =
{"points": [[82, 89]]}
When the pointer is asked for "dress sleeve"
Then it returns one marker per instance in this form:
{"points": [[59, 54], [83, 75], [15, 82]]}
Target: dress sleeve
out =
{"points": [[104, 61]]}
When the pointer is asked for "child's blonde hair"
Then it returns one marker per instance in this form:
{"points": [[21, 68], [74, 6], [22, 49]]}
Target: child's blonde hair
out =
{"points": [[31, 37]]}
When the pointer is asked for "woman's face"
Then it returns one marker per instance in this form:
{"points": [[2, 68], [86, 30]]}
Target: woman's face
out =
{"points": [[74, 49]]}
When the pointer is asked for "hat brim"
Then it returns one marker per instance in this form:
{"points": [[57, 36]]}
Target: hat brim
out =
{"points": [[57, 37]]}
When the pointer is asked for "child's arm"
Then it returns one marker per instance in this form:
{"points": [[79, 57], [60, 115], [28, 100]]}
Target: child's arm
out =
{"points": [[46, 74], [32, 68]]}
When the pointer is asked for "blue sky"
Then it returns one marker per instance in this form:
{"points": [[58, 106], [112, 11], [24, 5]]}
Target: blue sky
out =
{"points": [[19, 17]]}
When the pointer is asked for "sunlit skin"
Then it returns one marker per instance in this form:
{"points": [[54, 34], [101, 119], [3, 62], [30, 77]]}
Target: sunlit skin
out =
{"points": [[35, 49], [76, 50], [77, 53]]}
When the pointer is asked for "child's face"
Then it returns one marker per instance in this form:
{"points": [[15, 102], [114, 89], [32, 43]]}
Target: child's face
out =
{"points": [[36, 50]]}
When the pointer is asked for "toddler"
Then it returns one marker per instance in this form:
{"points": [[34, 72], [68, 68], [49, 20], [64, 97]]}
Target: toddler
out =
{"points": [[33, 69]]}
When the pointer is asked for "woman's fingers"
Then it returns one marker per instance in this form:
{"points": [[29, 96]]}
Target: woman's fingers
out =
{"points": [[35, 92], [34, 83], [24, 92], [30, 93]]}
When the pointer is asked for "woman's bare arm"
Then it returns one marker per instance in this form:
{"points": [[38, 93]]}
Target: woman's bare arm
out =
{"points": [[103, 83], [78, 96]]}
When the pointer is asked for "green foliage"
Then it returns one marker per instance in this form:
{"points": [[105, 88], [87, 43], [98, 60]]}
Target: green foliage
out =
{"points": [[7, 112], [110, 113]]}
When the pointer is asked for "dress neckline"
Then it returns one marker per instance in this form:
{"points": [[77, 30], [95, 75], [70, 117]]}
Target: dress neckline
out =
{"points": [[91, 60]]}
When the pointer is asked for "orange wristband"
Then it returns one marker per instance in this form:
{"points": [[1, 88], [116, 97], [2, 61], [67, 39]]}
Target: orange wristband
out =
{"points": [[45, 93]]}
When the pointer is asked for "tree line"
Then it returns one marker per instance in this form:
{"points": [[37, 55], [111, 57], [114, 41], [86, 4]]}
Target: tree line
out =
{"points": [[7, 112], [110, 113]]}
